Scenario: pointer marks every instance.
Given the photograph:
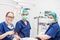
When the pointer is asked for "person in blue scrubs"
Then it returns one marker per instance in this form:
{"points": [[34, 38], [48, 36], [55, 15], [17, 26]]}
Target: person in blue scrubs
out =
{"points": [[53, 32], [23, 26], [6, 27]]}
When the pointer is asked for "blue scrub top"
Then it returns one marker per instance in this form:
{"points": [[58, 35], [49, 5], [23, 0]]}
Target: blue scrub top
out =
{"points": [[3, 29], [22, 29], [54, 31]]}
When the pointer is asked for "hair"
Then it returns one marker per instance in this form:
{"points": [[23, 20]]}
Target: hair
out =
{"points": [[8, 13]]}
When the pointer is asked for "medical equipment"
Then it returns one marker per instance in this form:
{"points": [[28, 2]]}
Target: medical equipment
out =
{"points": [[42, 23]]}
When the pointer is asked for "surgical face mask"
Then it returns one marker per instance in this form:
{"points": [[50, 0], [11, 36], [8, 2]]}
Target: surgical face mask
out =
{"points": [[50, 21], [24, 17]]}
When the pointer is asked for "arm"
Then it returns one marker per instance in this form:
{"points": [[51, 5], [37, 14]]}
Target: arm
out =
{"points": [[6, 34], [45, 37], [17, 30], [51, 33], [3, 35], [16, 36]]}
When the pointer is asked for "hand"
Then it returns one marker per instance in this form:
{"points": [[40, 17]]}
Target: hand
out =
{"points": [[10, 32], [17, 37], [39, 37], [44, 37]]}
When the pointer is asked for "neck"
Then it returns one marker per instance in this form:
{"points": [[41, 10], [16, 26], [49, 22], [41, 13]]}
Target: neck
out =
{"points": [[24, 20], [54, 22], [8, 23]]}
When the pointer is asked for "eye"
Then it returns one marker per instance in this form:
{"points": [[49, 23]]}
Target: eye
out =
{"points": [[51, 18], [24, 14], [10, 16]]}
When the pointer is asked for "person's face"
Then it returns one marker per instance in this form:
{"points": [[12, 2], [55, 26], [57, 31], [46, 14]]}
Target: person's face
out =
{"points": [[52, 18], [9, 18], [24, 14]]}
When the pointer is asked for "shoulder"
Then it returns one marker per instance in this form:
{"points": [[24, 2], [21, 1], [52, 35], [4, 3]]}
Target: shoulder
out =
{"points": [[56, 25], [2, 23], [19, 21]]}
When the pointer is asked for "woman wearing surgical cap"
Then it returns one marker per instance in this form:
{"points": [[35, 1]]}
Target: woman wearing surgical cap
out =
{"points": [[23, 26], [53, 32]]}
